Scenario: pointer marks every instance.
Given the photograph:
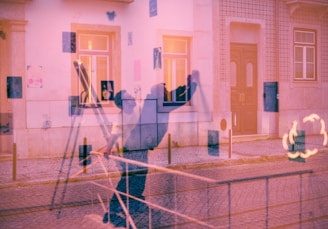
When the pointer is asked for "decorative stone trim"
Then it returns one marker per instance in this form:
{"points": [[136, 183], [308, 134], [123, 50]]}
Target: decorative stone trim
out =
{"points": [[318, 5]]}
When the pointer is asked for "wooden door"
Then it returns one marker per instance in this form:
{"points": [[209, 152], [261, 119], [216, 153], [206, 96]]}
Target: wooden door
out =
{"points": [[243, 66]]}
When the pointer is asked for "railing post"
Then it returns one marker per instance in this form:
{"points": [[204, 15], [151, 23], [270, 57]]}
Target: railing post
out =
{"points": [[267, 203], [14, 161], [127, 192], [169, 148], [85, 148], [301, 200], [230, 143], [175, 199], [229, 205]]}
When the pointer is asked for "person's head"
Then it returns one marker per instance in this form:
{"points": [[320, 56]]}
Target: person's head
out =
{"points": [[118, 99], [128, 105]]}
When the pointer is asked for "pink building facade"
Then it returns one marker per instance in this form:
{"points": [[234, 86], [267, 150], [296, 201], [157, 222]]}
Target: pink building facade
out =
{"points": [[279, 33], [262, 66]]}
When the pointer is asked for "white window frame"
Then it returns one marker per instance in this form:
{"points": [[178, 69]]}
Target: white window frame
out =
{"points": [[305, 46], [114, 68], [92, 70], [174, 57]]}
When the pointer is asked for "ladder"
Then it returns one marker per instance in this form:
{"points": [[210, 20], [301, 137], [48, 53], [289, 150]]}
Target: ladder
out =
{"points": [[74, 133]]}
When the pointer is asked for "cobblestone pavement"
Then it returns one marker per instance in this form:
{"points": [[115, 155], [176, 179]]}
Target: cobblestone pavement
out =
{"points": [[27, 206], [46, 169], [276, 203]]}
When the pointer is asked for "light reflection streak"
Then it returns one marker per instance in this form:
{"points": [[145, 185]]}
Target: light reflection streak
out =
{"points": [[293, 133]]}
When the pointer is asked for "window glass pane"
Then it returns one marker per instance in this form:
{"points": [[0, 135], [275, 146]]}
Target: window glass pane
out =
{"points": [[299, 54], [304, 37], [85, 90], [181, 76], [310, 71], [298, 70], [181, 72], [102, 73], [310, 54], [102, 67], [175, 46], [93, 42], [167, 79]]}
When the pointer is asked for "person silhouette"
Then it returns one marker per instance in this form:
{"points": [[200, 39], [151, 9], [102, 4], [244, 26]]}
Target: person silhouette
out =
{"points": [[132, 150]]}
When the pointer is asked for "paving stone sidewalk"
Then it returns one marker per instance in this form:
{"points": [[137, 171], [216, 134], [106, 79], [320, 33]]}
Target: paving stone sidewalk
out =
{"points": [[47, 169]]}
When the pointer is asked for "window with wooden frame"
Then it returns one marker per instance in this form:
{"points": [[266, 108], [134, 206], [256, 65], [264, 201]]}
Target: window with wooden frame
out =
{"points": [[98, 50], [176, 67], [305, 47]]}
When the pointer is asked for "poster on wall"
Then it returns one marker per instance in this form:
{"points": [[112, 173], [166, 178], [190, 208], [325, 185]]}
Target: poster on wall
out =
{"points": [[111, 15], [74, 105], [152, 8], [69, 42], [107, 90], [6, 123], [130, 38], [213, 143], [14, 87], [34, 76], [157, 58]]}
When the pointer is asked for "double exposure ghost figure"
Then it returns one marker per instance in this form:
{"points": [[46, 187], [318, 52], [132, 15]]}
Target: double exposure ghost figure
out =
{"points": [[133, 150]]}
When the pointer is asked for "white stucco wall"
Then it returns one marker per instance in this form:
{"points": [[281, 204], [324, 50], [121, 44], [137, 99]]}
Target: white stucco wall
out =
{"points": [[46, 20]]}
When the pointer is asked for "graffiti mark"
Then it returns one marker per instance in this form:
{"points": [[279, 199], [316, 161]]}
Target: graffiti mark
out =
{"points": [[290, 138]]}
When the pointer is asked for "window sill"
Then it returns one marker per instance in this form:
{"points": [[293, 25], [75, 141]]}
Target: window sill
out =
{"points": [[295, 83], [168, 107]]}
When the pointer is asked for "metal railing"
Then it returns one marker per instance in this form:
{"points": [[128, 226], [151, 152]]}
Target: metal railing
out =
{"points": [[181, 217], [150, 204], [266, 178]]}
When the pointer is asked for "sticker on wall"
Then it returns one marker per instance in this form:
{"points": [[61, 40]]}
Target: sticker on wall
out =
{"points": [[152, 8], [157, 58], [6, 123], [34, 76], [73, 107], [294, 140], [14, 87], [107, 90], [130, 38], [111, 15], [69, 42], [213, 142]]}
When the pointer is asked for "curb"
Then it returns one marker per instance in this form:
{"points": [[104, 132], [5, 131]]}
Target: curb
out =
{"points": [[186, 166]]}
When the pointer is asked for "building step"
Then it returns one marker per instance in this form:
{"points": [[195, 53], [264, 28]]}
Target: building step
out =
{"points": [[247, 138], [5, 156]]}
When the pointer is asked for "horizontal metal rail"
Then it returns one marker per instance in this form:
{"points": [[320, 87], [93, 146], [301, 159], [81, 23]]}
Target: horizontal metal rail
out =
{"points": [[264, 177], [118, 193], [163, 169], [204, 179]]}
